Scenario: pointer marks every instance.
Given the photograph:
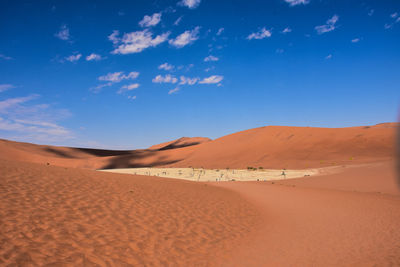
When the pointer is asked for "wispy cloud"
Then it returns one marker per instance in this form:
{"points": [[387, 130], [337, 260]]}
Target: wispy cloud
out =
{"points": [[190, 3], [94, 57], [136, 42], [178, 20], [328, 56], [355, 40], [5, 57], [63, 34], [166, 66], [165, 79], [32, 122], [220, 30], [211, 58], [185, 38], [4, 87], [149, 21], [172, 91], [261, 34], [116, 77], [396, 19], [128, 87], [188, 81], [287, 30], [73, 58], [297, 2], [329, 26], [371, 12], [212, 79]]}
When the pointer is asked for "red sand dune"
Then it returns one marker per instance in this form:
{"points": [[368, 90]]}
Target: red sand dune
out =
{"points": [[296, 147], [269, 147], [181, 142], [70, 217], [75, 217]]}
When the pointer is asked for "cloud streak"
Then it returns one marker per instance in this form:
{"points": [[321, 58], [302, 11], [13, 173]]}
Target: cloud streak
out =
{"points": [[187, 37], [149, 21], [329, 26], [261, 34], [136, 42]]}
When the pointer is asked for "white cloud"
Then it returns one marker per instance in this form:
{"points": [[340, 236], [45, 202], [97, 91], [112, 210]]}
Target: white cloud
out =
{"points": [[329, 26], [355, 40], [176, 89], [4, 87], [211, 58], [165, 66], [63, 34], [165, 79], [219, 32], [261, 34], [287, 30], [5, 57], [128, 87], [31, 122], [93, 56], [113, 37], [133, 97], [209, 69], [212, 79], [117, 77], [328, 56], [190, 3], [136, 42], [394, 15], [185, 38], [73, 58], [176, 23], [149, 21], [297, 2], [188, 81]]}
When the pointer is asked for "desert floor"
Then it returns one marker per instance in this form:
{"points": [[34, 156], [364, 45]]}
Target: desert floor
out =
{"points": [[210, 175], [59, 216]]}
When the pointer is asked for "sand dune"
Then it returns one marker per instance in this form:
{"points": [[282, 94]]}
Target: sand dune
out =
{"points": [[348, 216], [272, 147], [277, 147], [59, 216], [181, 142]]}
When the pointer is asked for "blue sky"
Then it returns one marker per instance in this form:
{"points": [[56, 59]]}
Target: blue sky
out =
{"points": [[129, 74]]}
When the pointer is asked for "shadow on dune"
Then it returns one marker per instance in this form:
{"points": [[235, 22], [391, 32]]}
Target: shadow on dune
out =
{"points": [[59, 153], [133, 160], [175, 146], [104, 152]]}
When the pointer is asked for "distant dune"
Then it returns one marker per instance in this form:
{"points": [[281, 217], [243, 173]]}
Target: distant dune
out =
{"points": [[296, 147], [349, 216], [273, 147], [181, 142]]}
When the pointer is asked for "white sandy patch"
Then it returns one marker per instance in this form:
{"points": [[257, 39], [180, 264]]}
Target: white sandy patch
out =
{"points": [[209, 175]]}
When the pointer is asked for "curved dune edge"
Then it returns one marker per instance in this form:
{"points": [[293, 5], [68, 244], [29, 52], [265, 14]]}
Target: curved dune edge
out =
{"points": [[54, 215], [334, 220]]}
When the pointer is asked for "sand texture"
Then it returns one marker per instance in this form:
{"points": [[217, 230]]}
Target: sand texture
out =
{"points": [[52, 216]]}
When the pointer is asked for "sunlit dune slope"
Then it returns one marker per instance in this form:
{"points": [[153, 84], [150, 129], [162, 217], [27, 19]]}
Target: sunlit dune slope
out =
{"points": [[296, 147]]}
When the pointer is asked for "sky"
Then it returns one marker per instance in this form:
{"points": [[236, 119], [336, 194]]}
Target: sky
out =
{"points": [[130, 74]]}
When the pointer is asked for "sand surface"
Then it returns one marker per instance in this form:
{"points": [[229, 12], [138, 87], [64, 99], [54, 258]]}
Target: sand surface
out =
{"points": [[68, 217], [220, 175]]}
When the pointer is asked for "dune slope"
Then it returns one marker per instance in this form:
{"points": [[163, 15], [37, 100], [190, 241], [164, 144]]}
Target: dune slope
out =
{"points": [[59, 216], [278, 147]]}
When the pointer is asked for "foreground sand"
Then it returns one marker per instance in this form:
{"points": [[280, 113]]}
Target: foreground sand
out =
{"points": [[68, 217], [59, 216]]}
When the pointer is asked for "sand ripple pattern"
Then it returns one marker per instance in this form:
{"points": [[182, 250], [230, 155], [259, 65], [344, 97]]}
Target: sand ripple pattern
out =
{"points": [[52, 216]]}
